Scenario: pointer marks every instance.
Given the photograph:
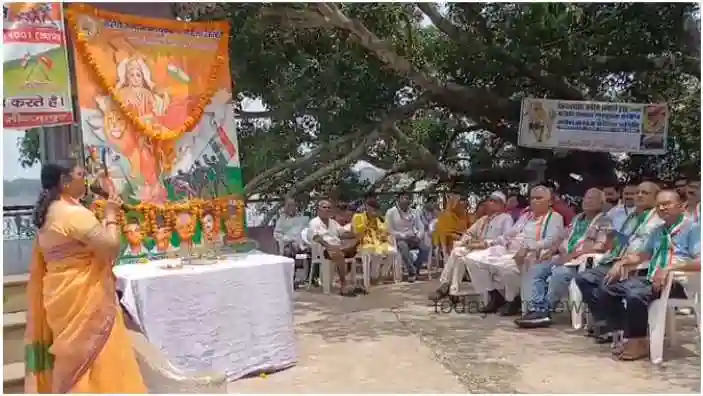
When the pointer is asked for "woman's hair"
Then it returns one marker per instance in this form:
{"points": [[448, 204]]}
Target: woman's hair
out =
{"points": [[52, 176]]}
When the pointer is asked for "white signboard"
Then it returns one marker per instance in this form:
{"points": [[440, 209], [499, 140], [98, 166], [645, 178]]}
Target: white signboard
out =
{"points": [[593, 126]]}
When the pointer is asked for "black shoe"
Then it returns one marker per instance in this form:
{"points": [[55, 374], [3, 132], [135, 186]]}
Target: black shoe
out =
{"points": [[412, 278], [533, 320], [440, 293], [360, 290], [495, 302], [606, 338], [512, 308]]}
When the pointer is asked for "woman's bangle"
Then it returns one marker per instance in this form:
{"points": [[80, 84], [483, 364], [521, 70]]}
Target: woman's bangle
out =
{"points": [[110, 222]]}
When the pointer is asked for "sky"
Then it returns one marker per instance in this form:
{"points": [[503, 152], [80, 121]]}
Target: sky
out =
{"points": [[11, 168]]}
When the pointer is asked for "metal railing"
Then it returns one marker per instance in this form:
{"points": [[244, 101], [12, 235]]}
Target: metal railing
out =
{"points": [[17, 233]]}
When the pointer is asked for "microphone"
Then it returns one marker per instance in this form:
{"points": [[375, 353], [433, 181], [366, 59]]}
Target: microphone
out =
{"points": [[96, 189]]}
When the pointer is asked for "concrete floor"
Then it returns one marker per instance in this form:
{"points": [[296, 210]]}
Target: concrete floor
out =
{"points": [[393, 341]]}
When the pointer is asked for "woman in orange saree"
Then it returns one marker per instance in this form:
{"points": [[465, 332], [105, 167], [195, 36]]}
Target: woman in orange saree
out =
{"points": [[76, 340], [452, 223]]}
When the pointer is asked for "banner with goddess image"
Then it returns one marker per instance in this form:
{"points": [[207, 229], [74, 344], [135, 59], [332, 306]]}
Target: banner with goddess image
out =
{"points": [[157, 120]]}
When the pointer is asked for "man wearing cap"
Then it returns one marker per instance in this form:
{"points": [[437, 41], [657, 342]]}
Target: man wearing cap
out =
{"points": [[494, 224], [496, 272], [549, 280]]}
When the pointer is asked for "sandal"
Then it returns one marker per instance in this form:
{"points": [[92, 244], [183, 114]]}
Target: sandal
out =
{"points": [[630, 351], [628, 356]]}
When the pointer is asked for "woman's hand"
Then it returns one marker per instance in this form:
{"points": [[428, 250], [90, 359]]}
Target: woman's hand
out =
{"points": [[112, 206]]}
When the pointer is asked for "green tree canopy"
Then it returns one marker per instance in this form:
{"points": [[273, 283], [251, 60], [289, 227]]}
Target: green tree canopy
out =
{"points": [[435, 90]]}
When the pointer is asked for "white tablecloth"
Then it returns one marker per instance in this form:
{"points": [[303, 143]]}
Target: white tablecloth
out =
{"points": [[235, 316]]}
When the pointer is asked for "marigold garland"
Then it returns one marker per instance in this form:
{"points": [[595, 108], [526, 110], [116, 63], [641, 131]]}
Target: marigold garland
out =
{"points": [[196, 207], [194, 117]]}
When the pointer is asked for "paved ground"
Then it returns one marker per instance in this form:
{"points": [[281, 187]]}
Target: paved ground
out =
{"points": [[392, 341]]}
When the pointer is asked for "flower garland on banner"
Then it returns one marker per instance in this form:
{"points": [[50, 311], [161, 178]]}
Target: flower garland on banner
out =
{"points": [[161, 134], [219, 207]]}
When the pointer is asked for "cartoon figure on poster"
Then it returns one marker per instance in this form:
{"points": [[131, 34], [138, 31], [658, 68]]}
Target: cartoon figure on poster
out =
{"points": [[540, 122], [654, 127], [157, 115]]}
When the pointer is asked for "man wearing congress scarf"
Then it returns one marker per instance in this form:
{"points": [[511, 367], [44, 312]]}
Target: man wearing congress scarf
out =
{"points": [[672, 246], [496, 272], [495, 223], [549, 281], [693, 200], [633, 234]]}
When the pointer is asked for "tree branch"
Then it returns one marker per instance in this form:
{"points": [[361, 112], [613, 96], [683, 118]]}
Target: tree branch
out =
{"points": [[248, 115], [396, 169], [632, 63], [254, 183], [333, 166], [329, 14]]}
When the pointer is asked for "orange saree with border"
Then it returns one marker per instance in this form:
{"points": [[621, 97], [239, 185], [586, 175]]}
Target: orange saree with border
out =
{"points": [[76, 340]]}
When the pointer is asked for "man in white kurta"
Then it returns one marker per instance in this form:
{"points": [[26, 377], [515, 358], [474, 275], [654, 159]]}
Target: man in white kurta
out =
{"points": [[494, 224], [496, 272]]}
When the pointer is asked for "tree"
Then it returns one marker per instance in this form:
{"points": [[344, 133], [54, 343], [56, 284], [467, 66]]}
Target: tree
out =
{"points": [[465, 73], [441, 100]]}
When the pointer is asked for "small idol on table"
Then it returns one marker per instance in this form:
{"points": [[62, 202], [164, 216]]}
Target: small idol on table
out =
{"points": [[162, 236], [135, 238], [185, 229], [234, 229], [210, 225]]}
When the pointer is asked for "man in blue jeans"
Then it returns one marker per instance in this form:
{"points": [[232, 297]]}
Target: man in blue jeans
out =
{"points": [[406, 227], [548, 281]]}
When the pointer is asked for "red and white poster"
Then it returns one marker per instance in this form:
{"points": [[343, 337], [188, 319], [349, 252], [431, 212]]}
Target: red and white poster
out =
{"points": [[36, 77]]}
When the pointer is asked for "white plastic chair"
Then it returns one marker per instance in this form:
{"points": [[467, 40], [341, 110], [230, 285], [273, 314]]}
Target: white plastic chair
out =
{"points": [[393, 260], [326, 266], [579, 317], [280, 245], [662, 315]]}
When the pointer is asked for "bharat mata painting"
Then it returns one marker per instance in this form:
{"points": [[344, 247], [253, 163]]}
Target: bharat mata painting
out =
{"points": [[203, 162]]}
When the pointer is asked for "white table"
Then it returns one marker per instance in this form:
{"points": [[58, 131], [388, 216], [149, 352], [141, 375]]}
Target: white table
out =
{"points": [[235, 316]]}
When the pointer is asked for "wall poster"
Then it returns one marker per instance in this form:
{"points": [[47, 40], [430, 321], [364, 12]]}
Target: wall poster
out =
{"points": [[157, 121], [36, 83]]}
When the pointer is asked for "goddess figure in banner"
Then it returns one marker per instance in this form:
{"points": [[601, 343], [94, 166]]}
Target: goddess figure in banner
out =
{"points": [[138, 91]]}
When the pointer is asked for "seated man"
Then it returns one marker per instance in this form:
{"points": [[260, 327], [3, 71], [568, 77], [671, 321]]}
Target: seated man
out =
{"points": [[499, 267], [492, 225], [287, 232], [633, 234], [693, 200], [288, 228], [409, 233], [375, 239], [329, 234], [549, 281], [674, 245]]}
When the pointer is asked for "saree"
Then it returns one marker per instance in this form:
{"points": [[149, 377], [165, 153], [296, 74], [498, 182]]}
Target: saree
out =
{"points": [[76, 340], [374, 236], [451, 224]]}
